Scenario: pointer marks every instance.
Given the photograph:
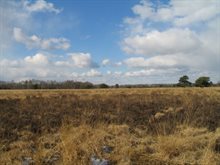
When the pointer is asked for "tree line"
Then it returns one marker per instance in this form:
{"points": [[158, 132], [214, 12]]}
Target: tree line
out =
{"points": [[37, 84], [70, 84]]}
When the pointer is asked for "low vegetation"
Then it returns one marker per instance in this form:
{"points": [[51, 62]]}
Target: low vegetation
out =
{"points": [[120, 126]]}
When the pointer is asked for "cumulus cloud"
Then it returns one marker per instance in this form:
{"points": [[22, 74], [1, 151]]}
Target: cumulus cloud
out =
{"points": [[180, 13], [83, 60], [38, 59], [117, 64], [20, 14], [139, 73], [37, 42], [109, 63], [167, 61], [44, 66], [36, 66], [200, 11], [117, 73], [153, 72], [62, 63], [9, 63], [11, 15], [166, 42], [40, 6], [105, 62], [92, 73]]}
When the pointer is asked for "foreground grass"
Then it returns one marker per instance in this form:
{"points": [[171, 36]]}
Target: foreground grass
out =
{"points": [[141, 126]]}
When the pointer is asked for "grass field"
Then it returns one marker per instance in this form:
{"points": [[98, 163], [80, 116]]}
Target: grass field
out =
{"points": [[121, 126]]}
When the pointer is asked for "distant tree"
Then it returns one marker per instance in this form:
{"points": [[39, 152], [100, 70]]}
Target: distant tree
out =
{"points": [[88, 85], [116, 86], [183, 81], [103, 86], [35, 86], [203, 82]]}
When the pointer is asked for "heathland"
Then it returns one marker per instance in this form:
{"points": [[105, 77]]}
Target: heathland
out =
{"points": [[118, 126]]}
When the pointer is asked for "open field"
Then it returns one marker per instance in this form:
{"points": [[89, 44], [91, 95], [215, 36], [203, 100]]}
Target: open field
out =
{"points": [[122, 126]]}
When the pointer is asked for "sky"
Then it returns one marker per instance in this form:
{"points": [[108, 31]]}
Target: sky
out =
{"points": [[109, 41]]}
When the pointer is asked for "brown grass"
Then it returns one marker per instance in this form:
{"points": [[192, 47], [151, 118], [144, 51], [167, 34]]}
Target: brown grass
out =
{"points": [[142, 126]]}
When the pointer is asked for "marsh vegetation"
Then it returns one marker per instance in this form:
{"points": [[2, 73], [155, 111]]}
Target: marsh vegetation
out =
{"points": [[123, 126]]}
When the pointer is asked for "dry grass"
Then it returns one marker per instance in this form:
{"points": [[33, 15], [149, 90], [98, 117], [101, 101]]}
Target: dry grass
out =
{"points": [[142, 126]]}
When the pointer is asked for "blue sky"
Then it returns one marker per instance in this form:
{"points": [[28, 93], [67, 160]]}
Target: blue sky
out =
{"points": [[117, 41]]}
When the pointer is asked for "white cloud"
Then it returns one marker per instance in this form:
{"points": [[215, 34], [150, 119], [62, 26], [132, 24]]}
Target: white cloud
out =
{"points": [[40, 6], [5, 63], [38, 59], [45, 67], [75, 74], [166, 42], [166, 61], [146, 10], [109, 63], [14, 13], [92, 73], [36, 42], [152, 73], [201, 15], [36, 66], [82, 60], [200, 10], [117, 73], [109, 72], [180, 13], [62, 63], [105, 62], [139, 73], [11, 15], [117, 64]]}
